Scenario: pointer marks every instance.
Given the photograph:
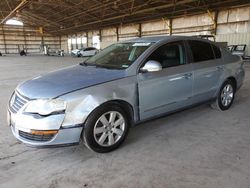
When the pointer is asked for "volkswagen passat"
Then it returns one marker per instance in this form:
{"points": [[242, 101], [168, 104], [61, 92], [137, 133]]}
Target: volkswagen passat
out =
{"points": [[126, 83]]}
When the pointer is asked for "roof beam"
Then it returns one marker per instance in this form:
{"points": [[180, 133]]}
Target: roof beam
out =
{"points": [[90, 9], [22, 4], [8, 4], [73, 6], [38, 17], [128, 14]]}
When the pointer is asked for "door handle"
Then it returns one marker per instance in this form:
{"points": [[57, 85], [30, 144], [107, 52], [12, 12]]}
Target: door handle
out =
{"points": [[219, 68], [187, 76]]}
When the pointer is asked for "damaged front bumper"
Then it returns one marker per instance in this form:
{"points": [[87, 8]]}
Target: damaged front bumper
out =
{"points": [[42, 132]]}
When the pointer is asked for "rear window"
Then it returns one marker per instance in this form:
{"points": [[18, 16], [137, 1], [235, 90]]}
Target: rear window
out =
{"points": [[201, 51], [88, 49]]}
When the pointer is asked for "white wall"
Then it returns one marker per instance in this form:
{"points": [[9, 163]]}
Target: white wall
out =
{"points": [[234, 21], [108, 37], [14, 37], [234, 27]]}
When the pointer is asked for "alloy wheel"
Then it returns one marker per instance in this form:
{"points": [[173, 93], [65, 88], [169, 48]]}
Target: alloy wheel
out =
{"points": [[227, 95], [109, 128]]}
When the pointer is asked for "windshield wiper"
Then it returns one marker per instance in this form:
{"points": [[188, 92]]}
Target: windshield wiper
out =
{"points": [[87, 64], [98, 65], [92, 64]]}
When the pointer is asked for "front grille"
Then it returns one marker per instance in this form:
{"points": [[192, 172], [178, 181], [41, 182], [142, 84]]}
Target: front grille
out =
{"points": [[17, 102], [35, 137]]}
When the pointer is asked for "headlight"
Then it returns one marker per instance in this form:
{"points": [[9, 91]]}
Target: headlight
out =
{"points": [[46, 107]]}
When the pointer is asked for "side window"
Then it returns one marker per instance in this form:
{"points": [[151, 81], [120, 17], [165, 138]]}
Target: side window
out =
{"points": [[88, 49], [169, 55], [201, 51], [217, 52]]}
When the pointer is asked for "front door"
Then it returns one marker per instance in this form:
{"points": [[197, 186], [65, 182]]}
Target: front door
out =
{"points": [[169, 89]]}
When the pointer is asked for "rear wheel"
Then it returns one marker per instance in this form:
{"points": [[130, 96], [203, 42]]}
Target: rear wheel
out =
{"points": [[106, 128], [225, 96]]}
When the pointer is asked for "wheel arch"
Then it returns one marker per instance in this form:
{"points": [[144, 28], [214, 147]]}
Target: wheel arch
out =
{"points": [[128, 108], [233, 79]]}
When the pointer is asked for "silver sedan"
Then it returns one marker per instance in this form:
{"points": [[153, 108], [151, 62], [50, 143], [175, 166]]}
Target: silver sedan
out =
{"points": [[126, 83]]}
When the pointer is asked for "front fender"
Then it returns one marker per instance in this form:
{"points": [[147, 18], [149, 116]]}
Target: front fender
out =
{"points": [[82, 102]]}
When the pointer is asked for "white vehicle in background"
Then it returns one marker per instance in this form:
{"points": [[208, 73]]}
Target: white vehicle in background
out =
{"points": [[75, 52], [84, 52], [90, 51]]}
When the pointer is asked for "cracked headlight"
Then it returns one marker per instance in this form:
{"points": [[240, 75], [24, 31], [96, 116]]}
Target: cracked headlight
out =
{"points": [[46, 107]]}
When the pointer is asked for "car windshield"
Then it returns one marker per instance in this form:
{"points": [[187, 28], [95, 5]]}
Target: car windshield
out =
{"points": [[118, 56]]}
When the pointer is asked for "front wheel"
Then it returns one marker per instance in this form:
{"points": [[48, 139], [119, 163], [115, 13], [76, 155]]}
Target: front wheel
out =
{"points": [[225, 96], [106, 128]]}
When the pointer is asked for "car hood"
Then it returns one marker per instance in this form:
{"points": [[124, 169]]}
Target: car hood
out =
{"points": [[66, 80]]}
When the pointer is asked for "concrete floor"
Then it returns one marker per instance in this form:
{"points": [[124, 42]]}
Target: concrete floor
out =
{"points": [[196, 148]]}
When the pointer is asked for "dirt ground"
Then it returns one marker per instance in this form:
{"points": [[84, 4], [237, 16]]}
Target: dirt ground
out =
{"points": [[195, 148]]}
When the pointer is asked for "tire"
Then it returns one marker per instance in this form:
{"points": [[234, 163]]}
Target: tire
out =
{"points": [[103, 132], [225, 96]]}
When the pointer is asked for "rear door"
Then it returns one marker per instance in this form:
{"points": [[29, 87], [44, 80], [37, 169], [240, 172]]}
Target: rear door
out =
{"points": [[207, 66], [169, 89], [89, 51]]}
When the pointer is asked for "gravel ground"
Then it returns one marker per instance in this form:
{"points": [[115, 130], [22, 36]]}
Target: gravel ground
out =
{"points": [[195, 148]]}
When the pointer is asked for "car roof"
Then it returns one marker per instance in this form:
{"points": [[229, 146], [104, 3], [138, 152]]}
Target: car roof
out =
{"points": [[148, 39], [161, 38]]}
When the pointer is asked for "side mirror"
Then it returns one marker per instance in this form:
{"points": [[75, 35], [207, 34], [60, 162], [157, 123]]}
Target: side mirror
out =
{"points": [[151, 66]]}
